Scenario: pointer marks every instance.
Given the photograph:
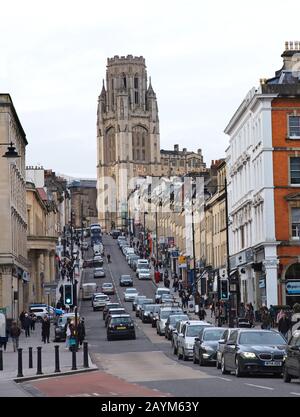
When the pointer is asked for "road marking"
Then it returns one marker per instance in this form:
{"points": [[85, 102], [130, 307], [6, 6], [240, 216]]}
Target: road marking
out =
{"points": [[224, 379], [260, 386], [295, 393]]}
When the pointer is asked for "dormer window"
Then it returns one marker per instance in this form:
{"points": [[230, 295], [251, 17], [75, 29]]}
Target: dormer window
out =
{"points": [[294, 127]]}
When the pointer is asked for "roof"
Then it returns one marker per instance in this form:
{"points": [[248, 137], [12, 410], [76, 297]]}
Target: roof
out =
{"points": [[42, 193]]}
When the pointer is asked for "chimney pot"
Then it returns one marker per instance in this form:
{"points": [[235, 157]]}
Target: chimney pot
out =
{"points": [[176, 148], [291, 45], [286, 46]]}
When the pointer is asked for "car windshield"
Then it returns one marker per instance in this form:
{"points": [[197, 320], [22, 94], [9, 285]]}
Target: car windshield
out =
{"points": [[165, 314], [161, 292], [126, 277], [101, 297], [121, 320], [193, 331], [212, 335], [113, 306], [131, 290], [107, 285], [175, 319], [144, 271], [261, 338]]}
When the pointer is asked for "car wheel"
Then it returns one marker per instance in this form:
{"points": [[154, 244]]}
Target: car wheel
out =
{"points": [[286, 376], [223, 367], [185, 358], [195, 360], [179, 355], [238, 372]]}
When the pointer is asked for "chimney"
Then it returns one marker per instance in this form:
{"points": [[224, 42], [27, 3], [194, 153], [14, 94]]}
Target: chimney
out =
{"points": [[199, 151], [291, 56], [176, 148], [184, 150]]}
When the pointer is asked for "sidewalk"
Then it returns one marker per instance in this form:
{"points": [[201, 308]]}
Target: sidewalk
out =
{"points": [[10, 358]]}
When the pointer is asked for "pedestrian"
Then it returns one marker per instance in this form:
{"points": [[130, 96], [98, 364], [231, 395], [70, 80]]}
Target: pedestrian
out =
{"points": [[185, 300], [242, 310], [15, 332], [68, 333], [212, 309], [45, 329], [27, 324], [32, 321], [280, 315], [202, 313], [284, 325], [249, 314], [272, 314], [22, 318], [81, 331], [175, 284], [108, 258], [266, 319]]}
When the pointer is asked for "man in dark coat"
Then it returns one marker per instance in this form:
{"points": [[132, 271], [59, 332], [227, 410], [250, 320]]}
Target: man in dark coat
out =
{"points": [[81, 331], [27, 324], [45, 330], [284, 325]]}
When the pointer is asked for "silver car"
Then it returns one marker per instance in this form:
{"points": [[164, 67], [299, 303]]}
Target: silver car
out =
{"points": [[99, 273], [163, 316], [130, 294], [144, 274]]}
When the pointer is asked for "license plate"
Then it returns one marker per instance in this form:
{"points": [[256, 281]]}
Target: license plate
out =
{"points": [[121, 328], [273, 363]]}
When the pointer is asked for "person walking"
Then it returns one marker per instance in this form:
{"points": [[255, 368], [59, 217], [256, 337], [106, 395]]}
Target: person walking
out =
{"points": [[32, 321], [15, 332], [202, 313], [108, 258], [22, 318], [266, 320], [81, 331], [27, 323], [45, 329], [284, 325]]}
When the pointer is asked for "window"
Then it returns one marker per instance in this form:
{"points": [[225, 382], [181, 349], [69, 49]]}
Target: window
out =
{"points": [[294, 126], [233, 337], [136, 82], [136, 97], [295, 170], [242, 237], [295, 223]]}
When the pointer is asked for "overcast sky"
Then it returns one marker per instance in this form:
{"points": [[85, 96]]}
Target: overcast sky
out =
{"points": [[203, 57]]}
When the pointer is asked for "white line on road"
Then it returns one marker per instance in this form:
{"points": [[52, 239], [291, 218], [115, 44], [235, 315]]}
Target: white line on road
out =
{"points": [[260, 386], [224, 379], [295, 393]]}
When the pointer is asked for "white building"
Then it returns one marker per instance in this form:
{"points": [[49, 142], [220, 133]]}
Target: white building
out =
{"points": [[251, 200]]}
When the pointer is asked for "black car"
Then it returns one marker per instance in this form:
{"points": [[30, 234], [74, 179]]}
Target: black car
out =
{"points": [[206, 345], [171, 323], [254, 351], [147, 310], [60, 327], [120, 326], [291, 367], [126, 281], [113, 311], [107, 307]]}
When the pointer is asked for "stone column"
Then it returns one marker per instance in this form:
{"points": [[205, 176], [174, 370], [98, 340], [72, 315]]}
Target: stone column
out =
{"points": [[52, 267], [38, 282], [47, 266], [271, 281]]}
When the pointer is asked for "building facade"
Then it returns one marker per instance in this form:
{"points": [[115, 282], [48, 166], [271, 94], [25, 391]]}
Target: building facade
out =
{"points": [[84, 202], [128, 141], [14, 267]]}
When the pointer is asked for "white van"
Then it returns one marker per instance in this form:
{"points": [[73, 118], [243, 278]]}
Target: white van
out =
{"points": [[88, 290], [141, 264]]}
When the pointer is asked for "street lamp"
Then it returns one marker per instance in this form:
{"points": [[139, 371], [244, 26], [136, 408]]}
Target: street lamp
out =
{"points": [[11, 152]]}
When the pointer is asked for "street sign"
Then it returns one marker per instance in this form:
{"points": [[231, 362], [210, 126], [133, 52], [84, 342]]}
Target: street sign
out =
{"points": [[293, 287]]}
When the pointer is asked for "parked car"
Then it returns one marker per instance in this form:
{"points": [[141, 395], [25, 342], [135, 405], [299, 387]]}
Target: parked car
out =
{"points": [[88, 289], [159, 292], [132, 257], [171, 323], [108, 288], [291, 367], [113, 311], [186, 339], [130, 294], [136, 301], [42, 311], [144, 274], [176, 332], [163, 316], [254, 351], [140, 304], [99, 273], [166, 299], [100, 301], [141, 265], [221, 345], [98, 261], [126, 281], [107, 307], [121, 239], [120, 326], [94, 295], [147, 310], [59, 330], [206, 344]]}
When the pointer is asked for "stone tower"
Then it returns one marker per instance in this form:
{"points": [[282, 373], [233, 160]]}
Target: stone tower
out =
{"points": [[128, 144]]}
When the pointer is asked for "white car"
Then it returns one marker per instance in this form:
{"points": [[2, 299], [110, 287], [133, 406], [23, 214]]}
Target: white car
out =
{"points": [[163, 315], [130, 294], [186, 338], [144, 274], [100, 301], [159, 292]]}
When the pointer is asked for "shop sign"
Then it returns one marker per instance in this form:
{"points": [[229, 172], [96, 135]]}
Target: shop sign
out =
{"points": [[293, 287], [175, 254]]}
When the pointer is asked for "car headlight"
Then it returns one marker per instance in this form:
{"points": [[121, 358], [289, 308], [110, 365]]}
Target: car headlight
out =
{"points": [[248, 355], [284, 357]]}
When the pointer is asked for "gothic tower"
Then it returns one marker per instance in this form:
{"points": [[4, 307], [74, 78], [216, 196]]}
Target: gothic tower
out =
{"points": [[128, 144]]}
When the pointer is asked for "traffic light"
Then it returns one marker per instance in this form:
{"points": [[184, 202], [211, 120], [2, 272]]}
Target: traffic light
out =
{"points": [[68, 294], [224, 289]]}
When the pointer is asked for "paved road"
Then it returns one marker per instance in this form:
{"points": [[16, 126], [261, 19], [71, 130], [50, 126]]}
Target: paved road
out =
{"points": [[148, 361]]}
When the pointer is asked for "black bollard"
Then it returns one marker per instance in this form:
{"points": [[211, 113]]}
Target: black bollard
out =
{"points": [[1, 360], [39, 361], [30, 358], [56, 347], [74, 358], [20, 364], [85, 355]]}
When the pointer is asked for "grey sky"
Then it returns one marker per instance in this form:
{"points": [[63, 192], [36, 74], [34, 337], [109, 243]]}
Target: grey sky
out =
{"points": [[202, 58]]}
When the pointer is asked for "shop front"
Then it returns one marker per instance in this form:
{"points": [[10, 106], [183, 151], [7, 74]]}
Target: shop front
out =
{"points": [[292, 284]]}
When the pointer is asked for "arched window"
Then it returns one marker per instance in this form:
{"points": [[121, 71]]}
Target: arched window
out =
{"points": [[110, 146], [140, 143], [136, 89], [293, 272], [124, 81]]}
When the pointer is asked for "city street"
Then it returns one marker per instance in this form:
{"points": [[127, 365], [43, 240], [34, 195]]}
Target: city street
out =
{"points": [[146, 366]]}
